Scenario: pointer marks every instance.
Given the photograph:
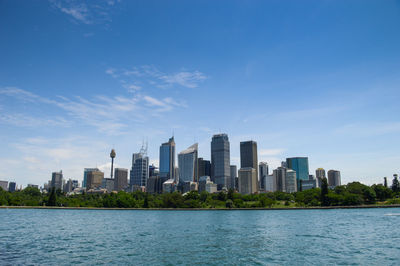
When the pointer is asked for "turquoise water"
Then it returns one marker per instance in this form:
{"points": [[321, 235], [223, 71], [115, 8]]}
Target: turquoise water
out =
{"points": [[300, 237]]}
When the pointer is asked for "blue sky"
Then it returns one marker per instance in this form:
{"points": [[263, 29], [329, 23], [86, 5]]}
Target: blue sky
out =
{"points": [[302, 78]]}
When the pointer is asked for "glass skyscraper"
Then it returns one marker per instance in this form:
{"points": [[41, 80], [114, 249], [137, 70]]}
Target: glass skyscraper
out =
{"points": [[140, 170], [187, 161], [220, 160], [300, 165], [167, 160]]}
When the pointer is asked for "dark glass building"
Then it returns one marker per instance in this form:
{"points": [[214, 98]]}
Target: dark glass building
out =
{"points": [[167, 160], [220, 160], [204, 167], [300, 165]]}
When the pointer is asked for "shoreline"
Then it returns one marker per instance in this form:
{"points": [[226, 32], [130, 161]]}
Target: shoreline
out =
{"points": [[204, 209]]}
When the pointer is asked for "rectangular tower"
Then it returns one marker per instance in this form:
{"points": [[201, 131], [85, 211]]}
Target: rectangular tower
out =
{"points": [[220, 160]]}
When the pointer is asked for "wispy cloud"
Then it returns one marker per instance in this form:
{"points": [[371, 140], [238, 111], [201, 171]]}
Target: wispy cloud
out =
{"points": [[109, 115], [149, 75], [270, 152], [86, 12]]}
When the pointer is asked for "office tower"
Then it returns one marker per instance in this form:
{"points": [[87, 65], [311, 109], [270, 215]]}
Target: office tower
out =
{"points": [[270, 183], [263, 173], [187, 161], [234, 175], [248, 155], [153, 170], [248, 180], [300, 165], [120, 179], [334, 178], [280, 178], [220, 160], [68, 186], [4, 185], [94, 179], [204, 167], [320, 174], [290, 181], [154, 185], [284, 164], [85, 171], [108, 184], [57, 180], [167, 160], [12, 186], [140, 168], [112, 155]]}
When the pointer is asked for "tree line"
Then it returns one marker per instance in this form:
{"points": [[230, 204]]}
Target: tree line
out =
{"points": [[351, 194]]}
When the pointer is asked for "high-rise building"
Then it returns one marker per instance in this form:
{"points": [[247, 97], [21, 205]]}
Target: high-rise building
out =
{"points": [[248, 155], [334, 178], [94, 179], [140, 169], [263, 173], [12, 186], [85, 171], [4, 185], [187, 161], [290, 181], [121, 179], [154, 185], [204, 167], [280, 179], [57, 180], [167, 160], [320, 174], [153, 170], [270, 183], [248, 180], [234, 175], [220, 160], [108, 184], [300, 165]]}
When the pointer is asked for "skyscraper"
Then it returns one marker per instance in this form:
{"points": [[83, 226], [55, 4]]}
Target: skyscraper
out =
{"points": [[57, 180], [280, 179], [167, 160], [220, 160], [248, 155], [334, 178], [204, 167], [85, 171], [187, 161], [300, 165], [140, 169], [263, 173], [94, 179], [121, 179], [290, 181], [4, 185], [234, 175], [320, 174], [248, 180], [12, 186]]}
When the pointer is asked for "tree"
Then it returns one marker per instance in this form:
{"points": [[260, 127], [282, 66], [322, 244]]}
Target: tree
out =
{"points": [[385, 181], [52, 198], [146, 201], [229, 203], [230, 193], [324, 192], [301, 185]]}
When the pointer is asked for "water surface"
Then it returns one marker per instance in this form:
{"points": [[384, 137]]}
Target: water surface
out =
{"points": [[300, 237]]}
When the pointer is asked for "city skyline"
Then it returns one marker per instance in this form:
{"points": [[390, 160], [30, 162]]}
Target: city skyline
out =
{"points": [[313, 79]]}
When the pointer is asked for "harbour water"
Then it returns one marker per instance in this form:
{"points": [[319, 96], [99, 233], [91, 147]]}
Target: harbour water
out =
{"points": [[295, 237]]}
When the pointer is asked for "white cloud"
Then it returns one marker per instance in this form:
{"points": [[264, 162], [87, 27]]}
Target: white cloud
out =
{"points": [[86, 12], [110, 115], [151, 75]]}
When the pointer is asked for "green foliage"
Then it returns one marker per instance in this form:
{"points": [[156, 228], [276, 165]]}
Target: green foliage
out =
{"points": [[351, 194], [382, 192]]}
